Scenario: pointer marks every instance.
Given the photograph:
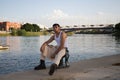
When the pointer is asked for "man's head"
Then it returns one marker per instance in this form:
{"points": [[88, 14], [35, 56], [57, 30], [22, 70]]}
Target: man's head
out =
{"points": [[56, 28], [54, 25]]}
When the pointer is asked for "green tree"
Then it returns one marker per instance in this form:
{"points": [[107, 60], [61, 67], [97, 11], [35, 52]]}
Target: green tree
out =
{"points": [[36, 28], [21, 32], [31, 27], [117, 27], [27, 27], [117, 30]]}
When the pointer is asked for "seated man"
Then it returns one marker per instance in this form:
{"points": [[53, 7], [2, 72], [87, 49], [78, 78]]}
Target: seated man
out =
{"points": [[55, 53]]}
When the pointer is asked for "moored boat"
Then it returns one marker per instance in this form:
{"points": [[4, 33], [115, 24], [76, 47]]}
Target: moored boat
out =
{"points": [[4, 47]]}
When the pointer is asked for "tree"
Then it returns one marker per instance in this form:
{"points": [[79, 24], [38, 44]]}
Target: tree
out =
{"points": [[117, 30], [117, 27], [31, 27], [36, 28], [27, 27]]}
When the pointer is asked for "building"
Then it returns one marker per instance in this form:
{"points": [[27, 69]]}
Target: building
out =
{"points": [[7, 26]]}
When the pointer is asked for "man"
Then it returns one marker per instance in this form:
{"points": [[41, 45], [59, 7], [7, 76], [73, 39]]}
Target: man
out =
{"points": [[55, 53]]}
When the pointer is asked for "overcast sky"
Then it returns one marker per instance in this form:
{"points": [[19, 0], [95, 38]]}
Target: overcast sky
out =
{"points": [[64, 12]]}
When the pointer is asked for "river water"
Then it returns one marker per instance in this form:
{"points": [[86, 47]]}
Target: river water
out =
{"points": [[24, 54]]}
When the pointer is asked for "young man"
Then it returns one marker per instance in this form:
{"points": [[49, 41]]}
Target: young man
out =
{"points": [[55, 53]]}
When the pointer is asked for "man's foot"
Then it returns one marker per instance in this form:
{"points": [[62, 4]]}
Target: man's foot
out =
{"points": [[52, 69], [40, 67]]}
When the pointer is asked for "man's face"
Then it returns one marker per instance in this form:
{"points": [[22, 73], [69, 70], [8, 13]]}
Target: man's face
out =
{"points": [[56, 29]]}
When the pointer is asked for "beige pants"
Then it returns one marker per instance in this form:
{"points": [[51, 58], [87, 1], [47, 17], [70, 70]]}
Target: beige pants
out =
{"points": [[49, 50]]}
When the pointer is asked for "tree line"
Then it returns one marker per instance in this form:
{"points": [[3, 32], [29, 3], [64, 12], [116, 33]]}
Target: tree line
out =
{"points": [[26, 28], [31, 27], [35, 28]]}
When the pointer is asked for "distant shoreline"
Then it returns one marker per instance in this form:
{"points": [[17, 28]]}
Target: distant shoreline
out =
{"points": [[4, 33], [46, 33]]}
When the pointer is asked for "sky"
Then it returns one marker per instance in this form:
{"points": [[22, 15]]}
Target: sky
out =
{"points": [[64, 12]]}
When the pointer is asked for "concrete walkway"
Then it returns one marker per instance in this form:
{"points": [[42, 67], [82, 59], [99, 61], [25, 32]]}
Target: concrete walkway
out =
{"points": [[93, 69]]}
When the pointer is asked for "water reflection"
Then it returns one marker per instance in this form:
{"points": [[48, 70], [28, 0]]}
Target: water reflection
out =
{"points": [[24, 51], [117, 38]]}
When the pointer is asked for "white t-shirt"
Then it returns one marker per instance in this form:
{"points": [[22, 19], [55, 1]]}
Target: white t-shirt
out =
{"points": [[58, 40]]}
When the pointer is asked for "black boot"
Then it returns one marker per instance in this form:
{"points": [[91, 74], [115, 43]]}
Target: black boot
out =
{"points": [[52, 69], [41, 65]]}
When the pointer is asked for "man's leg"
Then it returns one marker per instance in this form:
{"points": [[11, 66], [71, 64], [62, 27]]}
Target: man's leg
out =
{"points": [[56, 61], [42, 59], [61, 63]]}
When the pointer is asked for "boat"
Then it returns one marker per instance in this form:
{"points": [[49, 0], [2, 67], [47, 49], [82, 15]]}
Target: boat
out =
{"points": [[4, 47]]}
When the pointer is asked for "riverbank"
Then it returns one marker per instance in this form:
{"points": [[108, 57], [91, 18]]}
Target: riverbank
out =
{"points": [[104, 68], [24, 33]]}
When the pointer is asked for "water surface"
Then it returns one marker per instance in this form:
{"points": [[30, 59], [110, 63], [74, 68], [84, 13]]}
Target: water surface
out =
{"points": [[24, 54]]}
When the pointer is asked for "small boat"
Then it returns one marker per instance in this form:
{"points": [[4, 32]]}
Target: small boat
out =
{"points": [[4, 47]]}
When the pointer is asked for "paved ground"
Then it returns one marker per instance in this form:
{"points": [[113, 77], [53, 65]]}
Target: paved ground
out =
{"points": [[93, 69]]}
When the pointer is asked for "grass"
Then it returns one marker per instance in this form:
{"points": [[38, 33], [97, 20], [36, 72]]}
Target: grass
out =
{"points": [[69, 33], [34, 33], [27, 34], [4, 34]]}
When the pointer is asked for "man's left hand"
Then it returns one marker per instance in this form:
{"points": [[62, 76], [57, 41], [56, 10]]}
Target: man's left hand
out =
{"points": [[53, 55]]}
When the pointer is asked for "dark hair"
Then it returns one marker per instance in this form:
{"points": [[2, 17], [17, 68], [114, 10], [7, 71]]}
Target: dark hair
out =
{"points": [[56, 25]]}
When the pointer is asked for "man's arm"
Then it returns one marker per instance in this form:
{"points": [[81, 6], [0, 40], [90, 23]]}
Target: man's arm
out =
{"points": [[49, 40], [46, 43]]}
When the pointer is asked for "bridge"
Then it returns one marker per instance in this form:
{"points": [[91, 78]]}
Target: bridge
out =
{"points": [[85, 28]]}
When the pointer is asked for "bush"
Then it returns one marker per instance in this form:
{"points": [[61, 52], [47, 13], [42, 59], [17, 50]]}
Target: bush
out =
{"points": [[21, 32], [13, 32]]}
